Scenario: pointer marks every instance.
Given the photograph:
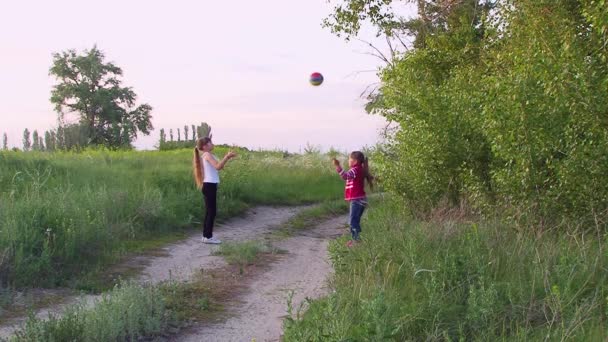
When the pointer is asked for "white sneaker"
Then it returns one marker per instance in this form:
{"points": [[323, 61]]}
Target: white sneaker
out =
{"points": [[211, 240]]}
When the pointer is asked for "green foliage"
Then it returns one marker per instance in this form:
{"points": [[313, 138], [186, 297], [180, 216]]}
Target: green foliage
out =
{"points": [[309, 217], [163, 137], [189, 301], [544, 118], [67, 137], [49, 141], [348, 17], [503, 107], [74, 137], [596, 12], [176, 145], [311, 149], [64, 215], [27, 142], [450, 280], [242, 253], [434, 17], [92, 88], [203, 130], [127, 313], [35, 141], [436, 148]]}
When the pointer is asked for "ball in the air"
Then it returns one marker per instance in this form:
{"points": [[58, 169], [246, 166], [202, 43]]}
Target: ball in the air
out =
{"points": [[316, 79]]}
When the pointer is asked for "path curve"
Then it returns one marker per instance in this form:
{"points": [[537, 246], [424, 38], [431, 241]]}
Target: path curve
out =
{"points": [[181, 259], [302, 273]]}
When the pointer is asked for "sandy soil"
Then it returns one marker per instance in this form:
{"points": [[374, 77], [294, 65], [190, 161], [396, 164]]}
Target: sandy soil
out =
{"points": [[257, 315], [183, 259]]}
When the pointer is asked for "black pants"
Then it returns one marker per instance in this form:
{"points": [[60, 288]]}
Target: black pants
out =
{"points": [[210, 194]]}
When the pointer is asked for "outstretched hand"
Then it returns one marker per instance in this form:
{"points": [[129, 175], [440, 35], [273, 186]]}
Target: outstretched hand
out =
{"points": [[231, 154], [336, 162]]}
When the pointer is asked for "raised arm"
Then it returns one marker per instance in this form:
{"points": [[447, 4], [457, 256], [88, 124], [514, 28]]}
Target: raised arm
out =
{"points": [[350, 174], [218, 165]]}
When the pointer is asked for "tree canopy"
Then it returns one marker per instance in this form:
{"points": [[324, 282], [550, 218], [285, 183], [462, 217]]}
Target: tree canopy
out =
{"points": [[92, 89]]}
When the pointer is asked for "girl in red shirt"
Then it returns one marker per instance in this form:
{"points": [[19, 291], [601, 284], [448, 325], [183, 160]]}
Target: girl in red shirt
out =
{"points": [[354, 191]]}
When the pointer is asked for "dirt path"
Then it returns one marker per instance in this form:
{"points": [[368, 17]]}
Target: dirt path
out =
{"points": [[180, 260], [183, 259], [302, 273]]}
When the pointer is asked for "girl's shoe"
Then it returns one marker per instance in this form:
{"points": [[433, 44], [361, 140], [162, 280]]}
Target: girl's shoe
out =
{"points": [[211, 240], [350, 243]]}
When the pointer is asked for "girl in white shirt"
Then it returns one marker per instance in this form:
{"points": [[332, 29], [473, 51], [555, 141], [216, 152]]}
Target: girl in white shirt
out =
{"points": [[207, 178]]}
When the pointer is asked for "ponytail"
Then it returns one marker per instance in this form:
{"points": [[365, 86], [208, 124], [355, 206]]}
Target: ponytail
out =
{"points": [[368, 176], [197, 170], [362, 159]]}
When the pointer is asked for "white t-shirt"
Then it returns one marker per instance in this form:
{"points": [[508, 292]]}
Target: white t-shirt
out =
{"points": [[211, 174]]}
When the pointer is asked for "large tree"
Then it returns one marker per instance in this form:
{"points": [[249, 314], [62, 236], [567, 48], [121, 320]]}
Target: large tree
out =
{"points": [[91, 88]]}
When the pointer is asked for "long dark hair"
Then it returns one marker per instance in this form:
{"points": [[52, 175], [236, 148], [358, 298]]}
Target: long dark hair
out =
{"points": [[362, 159], [196, 162]]}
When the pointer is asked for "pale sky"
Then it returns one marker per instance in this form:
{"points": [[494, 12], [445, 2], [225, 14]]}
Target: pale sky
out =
{"points": [[242, 66]]}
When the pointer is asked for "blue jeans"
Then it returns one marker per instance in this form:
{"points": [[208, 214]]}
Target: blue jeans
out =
{"points": [[356, 211]]}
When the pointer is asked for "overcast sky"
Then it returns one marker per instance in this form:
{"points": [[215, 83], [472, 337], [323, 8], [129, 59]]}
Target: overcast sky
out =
{"points": [[242, 66]]}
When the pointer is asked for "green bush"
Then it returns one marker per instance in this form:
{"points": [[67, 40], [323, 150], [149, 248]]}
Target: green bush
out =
{"points": [[506, 113]]}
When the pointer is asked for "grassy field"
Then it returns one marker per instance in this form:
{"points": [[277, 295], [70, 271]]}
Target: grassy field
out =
{"points": [[64, 216], [453, 279]]}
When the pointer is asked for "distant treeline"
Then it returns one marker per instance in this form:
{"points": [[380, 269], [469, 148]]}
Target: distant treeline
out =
{"points": [[177, 141], [64, 137], [75, 137]]}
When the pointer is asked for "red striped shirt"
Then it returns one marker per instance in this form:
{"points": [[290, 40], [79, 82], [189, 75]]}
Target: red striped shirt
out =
{"points": [[355, 182]]}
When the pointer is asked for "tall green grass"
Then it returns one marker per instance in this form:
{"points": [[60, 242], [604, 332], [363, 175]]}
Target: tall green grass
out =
{"points": [[245, 252], [451, 280], [128, 312], [63, 215]]}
